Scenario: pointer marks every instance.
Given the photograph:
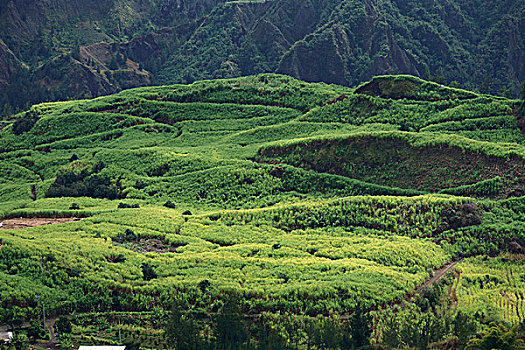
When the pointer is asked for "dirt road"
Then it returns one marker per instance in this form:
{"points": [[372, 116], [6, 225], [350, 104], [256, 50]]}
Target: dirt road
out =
{"points": [[438, 275]]}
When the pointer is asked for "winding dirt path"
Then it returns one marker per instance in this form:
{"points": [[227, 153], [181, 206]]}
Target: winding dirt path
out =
{"points": [[438, 275], [50, 325]]}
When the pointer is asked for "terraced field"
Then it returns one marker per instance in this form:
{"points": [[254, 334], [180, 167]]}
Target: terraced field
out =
{"points": [[300, 201]]}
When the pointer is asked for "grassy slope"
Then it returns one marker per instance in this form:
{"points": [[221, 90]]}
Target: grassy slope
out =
{"points": [[269, 217]]}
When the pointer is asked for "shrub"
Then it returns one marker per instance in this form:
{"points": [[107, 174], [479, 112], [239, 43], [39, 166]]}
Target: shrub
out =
{"points": [[119, 258], [25, 123], [123, 205], [80, 180], [130, 235], [169, 204], [204, 285], [148, 272], [63, 325]]}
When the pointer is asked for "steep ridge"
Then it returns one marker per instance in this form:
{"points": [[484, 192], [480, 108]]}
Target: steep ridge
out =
{"points": [[465, 42], [391, 159]]}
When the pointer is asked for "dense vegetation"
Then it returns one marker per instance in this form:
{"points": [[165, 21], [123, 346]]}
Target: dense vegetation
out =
{"points": [[266, 212], [54, 50]]}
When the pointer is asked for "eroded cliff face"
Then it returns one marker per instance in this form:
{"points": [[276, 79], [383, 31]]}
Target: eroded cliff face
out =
{"points": [[391, 37], [254, 36], [9, 65], [514, 60], [100, 69], [170, 41]]}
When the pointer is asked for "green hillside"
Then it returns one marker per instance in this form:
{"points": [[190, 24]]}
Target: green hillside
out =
{"points": [[292, 212], [61, 49]]}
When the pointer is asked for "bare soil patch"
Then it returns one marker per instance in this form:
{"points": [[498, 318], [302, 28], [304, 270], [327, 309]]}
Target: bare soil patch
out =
{"points": [[20, 223], [148, 245]]}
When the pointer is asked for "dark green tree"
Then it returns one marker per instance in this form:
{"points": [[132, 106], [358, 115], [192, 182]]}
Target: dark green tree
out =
{"points": [[75, 52], [121, 59], [204, 285], [181, 329], [74, 206], [15, 317], [360, 327], [7, 109], [464, 327], [485, 86], [521, 109], [63, 325], [25, 123], [325, 333], [268, 338], [34, 331], [230, 328], [148, 272], [497, 336], [113, 64], [20, 341], [169, 204]]}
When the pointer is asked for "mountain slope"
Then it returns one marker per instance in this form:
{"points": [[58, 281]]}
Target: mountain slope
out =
{"points": [[292, 200], [469, 42]]}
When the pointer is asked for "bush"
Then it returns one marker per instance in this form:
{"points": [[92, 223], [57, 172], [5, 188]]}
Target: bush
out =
{"points": [[74, 206], [130, 235], [120, 258], [169, 204], [25, 123], [63, 325], [80, 180], [148, 272], [123, 205], [35, 331], [204, 285]]}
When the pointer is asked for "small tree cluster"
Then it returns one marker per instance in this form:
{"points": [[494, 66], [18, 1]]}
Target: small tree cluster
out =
{"points": [[25, 123]]}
